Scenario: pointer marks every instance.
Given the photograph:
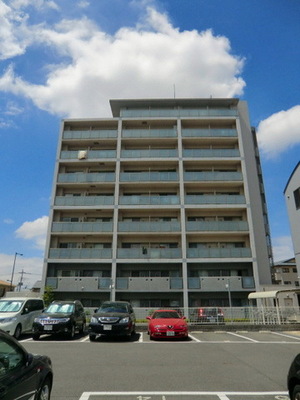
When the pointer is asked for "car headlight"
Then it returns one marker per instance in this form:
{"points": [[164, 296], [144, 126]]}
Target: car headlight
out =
{"points": [[65, 320], [94, 320], [8, 319], [37, 320], [124, 320], [158, 326]]}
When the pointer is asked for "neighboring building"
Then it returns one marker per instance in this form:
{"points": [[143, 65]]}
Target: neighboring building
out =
{"points": [[37, 287], [292, 199], [5, 287], [162, 205], [285, 273]]}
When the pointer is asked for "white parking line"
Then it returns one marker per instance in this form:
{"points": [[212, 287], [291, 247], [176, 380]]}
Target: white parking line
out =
{"points": [[285, 335], [220, 395], [243, 337], [194, 338]]}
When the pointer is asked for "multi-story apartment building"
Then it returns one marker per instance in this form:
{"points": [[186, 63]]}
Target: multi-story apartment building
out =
{"points": [[285, 273], [162, 205]]}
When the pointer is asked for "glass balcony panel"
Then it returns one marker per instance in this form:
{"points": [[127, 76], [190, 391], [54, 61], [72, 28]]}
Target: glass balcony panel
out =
{"points": [[83, 200], [176, 283], [81, 177], [80, 253], [149, 153], [149, 253], [217, 226], [91, 134], [144, 226], [215, 199], [148, 176], [204, 153], [52, 282], [219, 252], [90, 154], [182, 112], [122, 283], [198, 132], [248, 282], [149, 133], [213, 176], [149, 200], [104, 283], [194, 283], [82, 227]]}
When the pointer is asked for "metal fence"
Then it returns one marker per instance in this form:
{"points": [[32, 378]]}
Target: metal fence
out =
{"points": [[227, 315]]}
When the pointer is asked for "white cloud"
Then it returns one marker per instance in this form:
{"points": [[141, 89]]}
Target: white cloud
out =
{"points": [[32, 268], [142, 62], [282, 248], [35, 231], [279, 132]]}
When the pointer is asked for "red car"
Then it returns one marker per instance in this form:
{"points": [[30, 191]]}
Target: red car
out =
{"points": [[167, 324]]}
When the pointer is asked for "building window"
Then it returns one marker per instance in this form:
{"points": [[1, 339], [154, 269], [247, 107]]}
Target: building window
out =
{"points": [[297, 198]]}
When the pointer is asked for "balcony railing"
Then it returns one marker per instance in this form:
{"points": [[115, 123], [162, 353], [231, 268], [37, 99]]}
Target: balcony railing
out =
{"points": [[150, 176], [239, 226], [149, 200], [145, 253], [212, 153], [149, 226], [214, 252], [149, 133], [82, 227], [88, 154], [149, 284], [149, 153], [213, 176], [81, 177], [80, 253], [215, 199], [219, 284], [181, 112], [198, 132], [91, 134], [83, 200]]}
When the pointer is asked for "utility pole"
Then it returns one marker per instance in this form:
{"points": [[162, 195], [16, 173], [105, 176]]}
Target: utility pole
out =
{"points": [[20, 284]]}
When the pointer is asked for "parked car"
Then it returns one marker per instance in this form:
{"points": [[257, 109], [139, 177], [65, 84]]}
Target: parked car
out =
{"points": [[293, 379], [210, 314], [23, 376], [17, 314], [65, 317], [167, 324], [113, 318]]}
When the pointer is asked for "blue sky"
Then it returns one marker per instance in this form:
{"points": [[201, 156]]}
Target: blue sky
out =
{"points": [[68, 58]]}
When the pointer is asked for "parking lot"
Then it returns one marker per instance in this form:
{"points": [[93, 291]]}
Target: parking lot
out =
{"points": [[208, 366]]}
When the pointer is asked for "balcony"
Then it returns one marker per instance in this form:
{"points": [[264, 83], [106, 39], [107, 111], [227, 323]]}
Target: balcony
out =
{"points": [[149, 284], [146, 253], [92, 253], [91, 134], [213, 176], [149, 200], [215, 199], [81, 177], [201, 132], [216, 226], [220, 284], [87, 227], [180, 112], [83, 201], [149, 153], [215, 252], [87, 154], [149, 133], [151, 176], [211, 153], [79, 284], [149, 226]]}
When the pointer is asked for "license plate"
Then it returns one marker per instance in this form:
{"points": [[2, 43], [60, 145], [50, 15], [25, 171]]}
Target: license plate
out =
{"points": [[107, 327], [47, 327], [170, 333]]}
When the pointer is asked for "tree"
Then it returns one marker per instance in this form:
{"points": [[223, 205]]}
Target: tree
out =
{"points": [[48, 295]]}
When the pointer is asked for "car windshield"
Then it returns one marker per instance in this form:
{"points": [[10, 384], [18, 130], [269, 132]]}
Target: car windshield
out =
{"points": [[10, 305], [120, 308], [60, 308], [165, 314]]}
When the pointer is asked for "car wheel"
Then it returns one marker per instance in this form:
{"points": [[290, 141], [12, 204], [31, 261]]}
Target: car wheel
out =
{"points": [[18, 332], [82, 328], [296, 393], [36, 336], [45, 389], [92, 337], [72, 332]]}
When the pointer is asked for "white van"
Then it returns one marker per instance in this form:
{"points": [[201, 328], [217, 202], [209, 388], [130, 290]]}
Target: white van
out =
{"points": [[17, 314]]}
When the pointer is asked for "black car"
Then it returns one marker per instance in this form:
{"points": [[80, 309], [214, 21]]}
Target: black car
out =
{"points": [[63, 317], [210, 315], [113, 318], [23, 376], [293, 380]]}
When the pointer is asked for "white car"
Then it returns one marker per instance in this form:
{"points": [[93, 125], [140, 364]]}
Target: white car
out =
{"points": [[17, 314]]}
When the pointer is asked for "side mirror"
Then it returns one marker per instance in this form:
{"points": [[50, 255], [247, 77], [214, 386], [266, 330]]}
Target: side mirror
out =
{"points": [[26, 310], [183, 317], [148, 318], [29, 359]]}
